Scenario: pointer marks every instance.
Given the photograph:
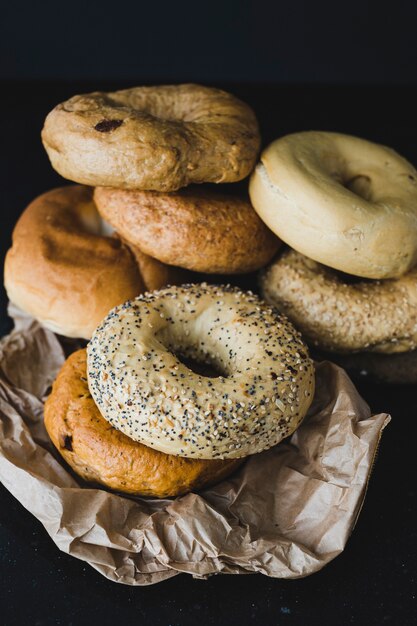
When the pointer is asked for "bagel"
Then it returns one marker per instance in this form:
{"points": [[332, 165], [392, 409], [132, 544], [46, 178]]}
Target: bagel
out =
{"points": [[340, 316], [159, 138], [101, 454], [342, 201], [155, 274], [140, 385], [195, 228], [65, 271]]}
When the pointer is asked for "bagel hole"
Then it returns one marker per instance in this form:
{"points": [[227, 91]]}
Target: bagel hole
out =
{"points": [[204, 368], [194, 357], [360, 185]]}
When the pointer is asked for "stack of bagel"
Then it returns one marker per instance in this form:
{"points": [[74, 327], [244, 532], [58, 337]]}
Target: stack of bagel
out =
{"points": [[135, 221], [125, 258], [179, 384], [347, 208]]}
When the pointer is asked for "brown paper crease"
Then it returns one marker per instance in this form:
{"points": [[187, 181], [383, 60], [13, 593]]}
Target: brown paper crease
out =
{"points": [[286, 513]]}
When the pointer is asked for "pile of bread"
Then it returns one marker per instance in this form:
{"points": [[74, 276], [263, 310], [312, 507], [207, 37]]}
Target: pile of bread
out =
{"points": [[179, 384], [348, 209]]}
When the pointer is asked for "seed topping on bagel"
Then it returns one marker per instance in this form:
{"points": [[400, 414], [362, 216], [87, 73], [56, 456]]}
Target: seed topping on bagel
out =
{"points": [[143, 388], [340, 314]]}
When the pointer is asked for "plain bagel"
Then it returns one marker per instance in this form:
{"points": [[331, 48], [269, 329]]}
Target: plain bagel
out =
{"points": [[101, 454], [140, 385], [66, 271], [196, 228], [342, 201], [159, 138], [337, 315]]}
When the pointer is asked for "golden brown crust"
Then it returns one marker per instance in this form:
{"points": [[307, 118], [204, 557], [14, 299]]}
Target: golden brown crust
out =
{"points": [[196, 228], [65, 272], [337, 315], [99, 453], [159, 138], [62, 270]]}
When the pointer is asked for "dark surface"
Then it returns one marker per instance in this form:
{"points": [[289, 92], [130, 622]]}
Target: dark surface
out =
{"points": [[246, 40], [374, 581]]}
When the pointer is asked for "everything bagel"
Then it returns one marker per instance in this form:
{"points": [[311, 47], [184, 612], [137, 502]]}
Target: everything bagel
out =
{"points": [[337, 315], [64, 270], [101, 454], [195, 228], [159, 138], [140, 385], [342, 201]]}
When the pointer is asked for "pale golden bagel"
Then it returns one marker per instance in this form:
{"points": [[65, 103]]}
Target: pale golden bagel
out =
{"points": [[195, 228], [159, 138], [143, 388], [99, 453], [337, 315], [62, 269], [342, 201]]}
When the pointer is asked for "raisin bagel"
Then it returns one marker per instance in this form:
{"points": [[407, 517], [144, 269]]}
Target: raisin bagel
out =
{"points": [[159, 138]]}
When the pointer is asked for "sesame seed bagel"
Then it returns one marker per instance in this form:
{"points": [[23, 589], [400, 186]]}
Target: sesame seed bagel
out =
{"points": [[143, 388], [340, 316], [195, 228], [345, 202], [64, 268], [159, 138], [99, 453]]}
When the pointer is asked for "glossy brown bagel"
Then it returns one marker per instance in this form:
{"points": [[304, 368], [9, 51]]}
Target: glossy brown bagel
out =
{"points": [[66, 271], [340, 316], [195, 228], [159, 138], [99, 453]]}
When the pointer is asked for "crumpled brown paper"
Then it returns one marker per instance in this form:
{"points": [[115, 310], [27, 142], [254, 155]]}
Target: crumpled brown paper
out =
{"points": [[286, 513]]}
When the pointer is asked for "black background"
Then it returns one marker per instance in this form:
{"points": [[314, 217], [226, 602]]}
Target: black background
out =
{"points": [[297, 41], [302, 65]]}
